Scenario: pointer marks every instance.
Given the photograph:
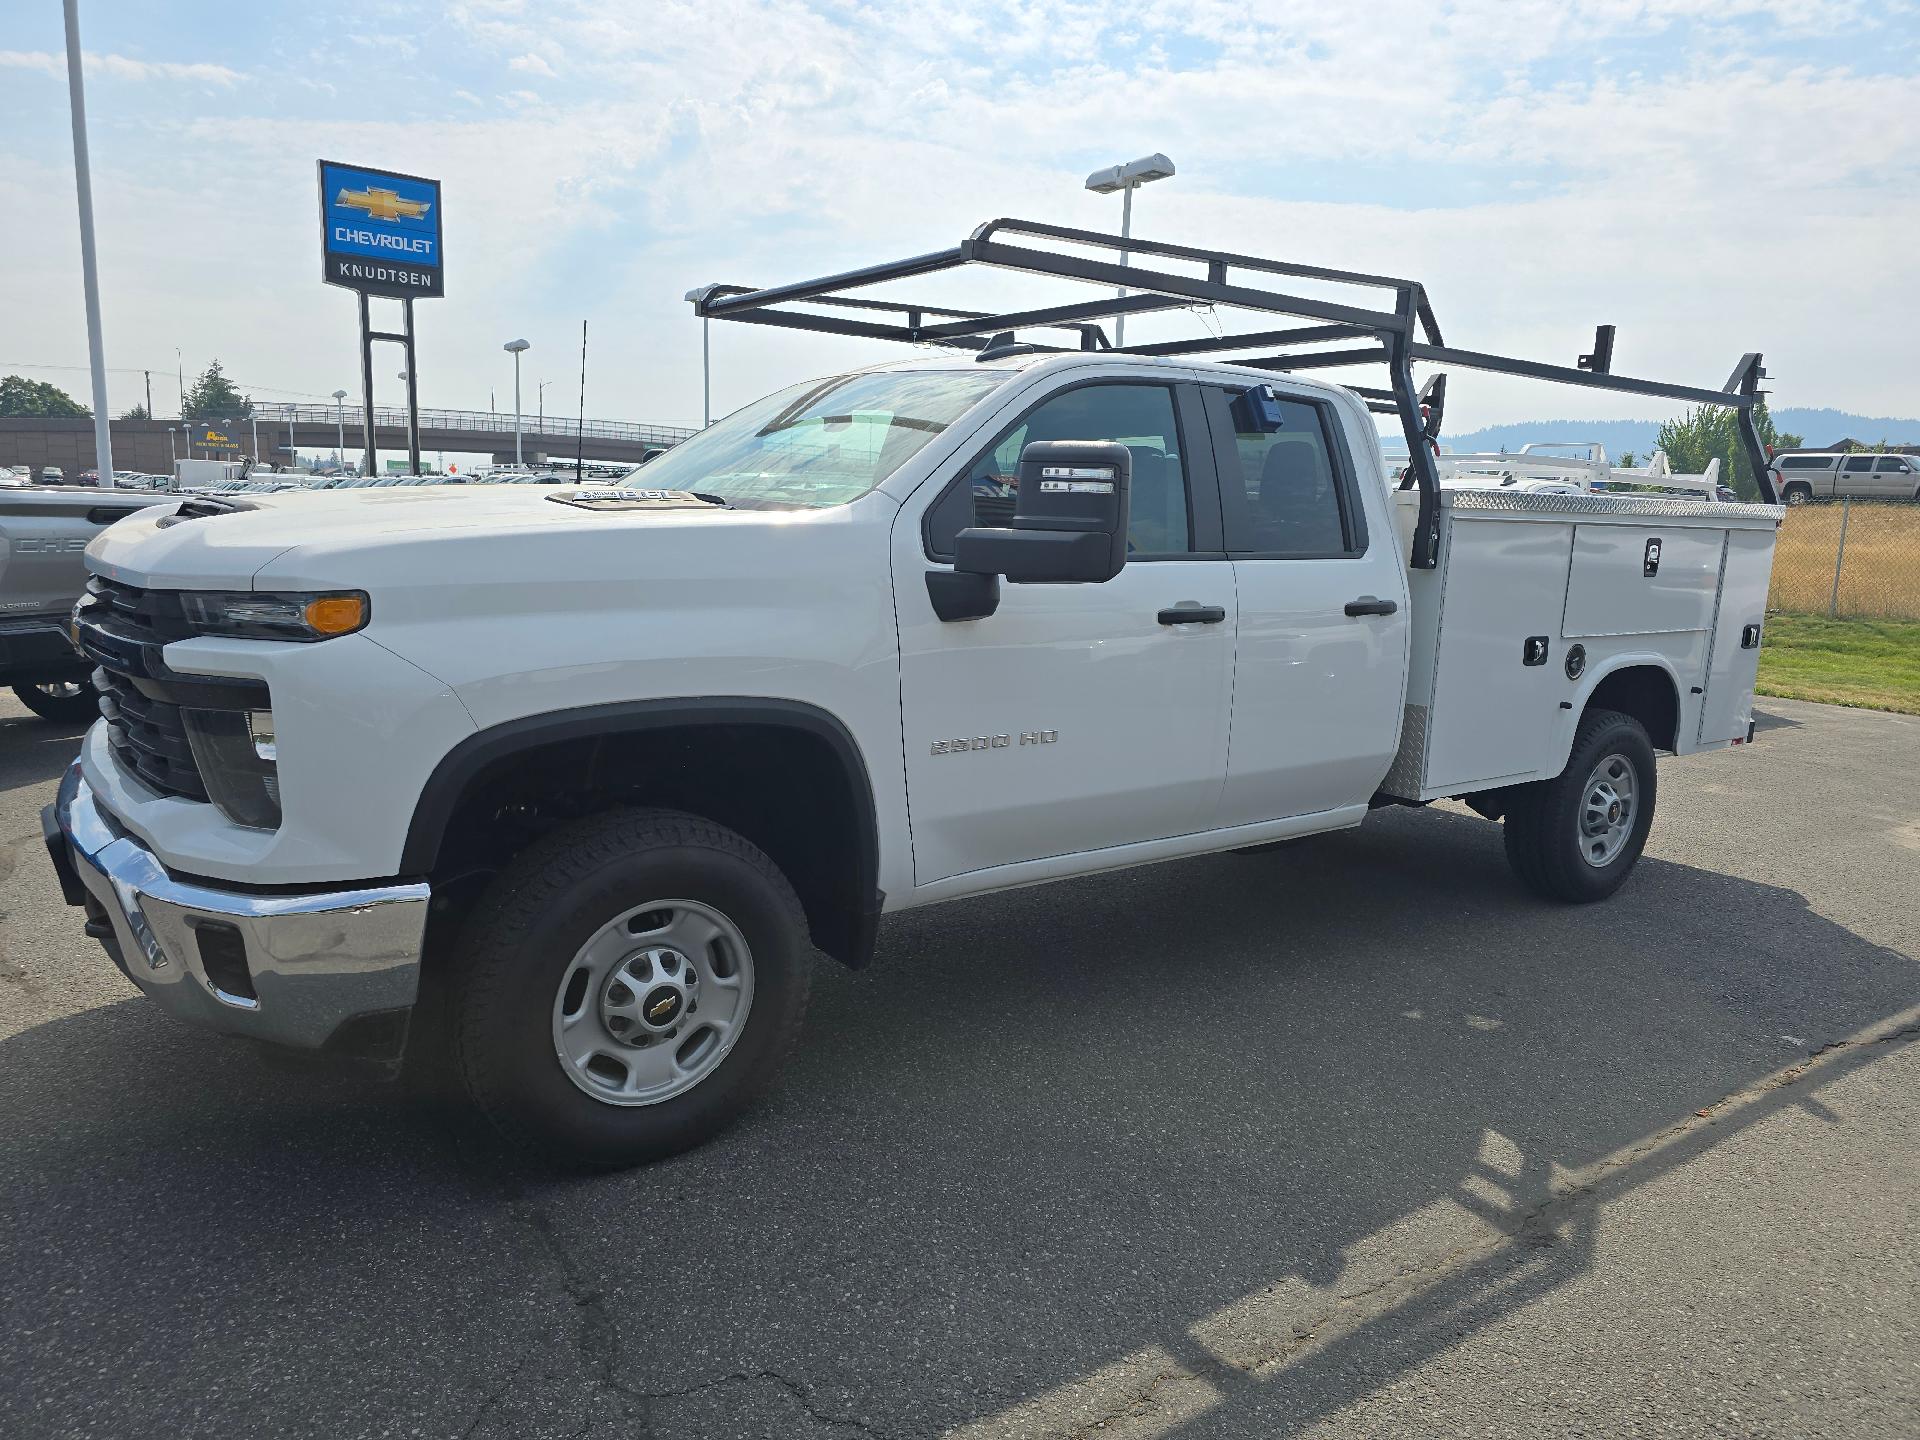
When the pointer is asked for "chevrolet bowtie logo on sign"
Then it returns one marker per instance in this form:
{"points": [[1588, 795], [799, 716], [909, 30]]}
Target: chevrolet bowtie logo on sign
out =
{"points": [[383, 204], [380, 231]]}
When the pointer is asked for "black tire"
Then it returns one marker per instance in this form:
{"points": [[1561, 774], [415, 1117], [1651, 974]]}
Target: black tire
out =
{"points": [[522, 938], [1797, 494], [65, 702], [1543, 820]]}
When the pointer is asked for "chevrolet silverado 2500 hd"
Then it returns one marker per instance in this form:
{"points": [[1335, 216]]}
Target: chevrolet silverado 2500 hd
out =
{"points": [[577, 779]]}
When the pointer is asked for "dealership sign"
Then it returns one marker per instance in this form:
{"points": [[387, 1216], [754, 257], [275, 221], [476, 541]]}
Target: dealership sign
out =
{"points": [[214, 435], [380, 231]]}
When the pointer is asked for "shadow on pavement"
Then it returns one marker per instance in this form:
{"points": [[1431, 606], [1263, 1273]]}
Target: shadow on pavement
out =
{"points": [[33, 750], [1129, 1129]]}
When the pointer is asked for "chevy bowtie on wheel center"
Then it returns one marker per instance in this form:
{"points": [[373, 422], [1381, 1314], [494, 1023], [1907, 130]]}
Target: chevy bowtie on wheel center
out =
{"points": [[562, 791]]}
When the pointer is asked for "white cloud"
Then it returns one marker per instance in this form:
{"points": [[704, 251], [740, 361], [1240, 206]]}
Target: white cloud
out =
{"points": [[531, 64], [119, 67]]}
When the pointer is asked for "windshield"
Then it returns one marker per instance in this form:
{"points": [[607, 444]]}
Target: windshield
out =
{"points": [[819, 444]]}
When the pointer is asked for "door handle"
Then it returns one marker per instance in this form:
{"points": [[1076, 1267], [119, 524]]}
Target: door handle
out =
{"points": [[1369, 605], [1187, 613]]}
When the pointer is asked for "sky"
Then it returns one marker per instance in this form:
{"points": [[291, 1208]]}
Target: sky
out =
{"points": [[1713, 176]]}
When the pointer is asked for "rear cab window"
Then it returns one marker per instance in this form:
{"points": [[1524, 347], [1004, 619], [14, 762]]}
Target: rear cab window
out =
{"points": [[1286, 492]]}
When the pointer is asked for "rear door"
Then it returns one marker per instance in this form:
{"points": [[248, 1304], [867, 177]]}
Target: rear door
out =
{"points": [[1320, 676], [1856, 477], [1076, 717]]}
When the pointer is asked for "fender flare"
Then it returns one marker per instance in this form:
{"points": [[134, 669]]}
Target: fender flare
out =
{"points": [[465, 761], [1614, 664]]}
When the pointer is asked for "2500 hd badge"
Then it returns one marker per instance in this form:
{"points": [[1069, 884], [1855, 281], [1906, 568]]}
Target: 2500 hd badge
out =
{"points": [[994, 742]]}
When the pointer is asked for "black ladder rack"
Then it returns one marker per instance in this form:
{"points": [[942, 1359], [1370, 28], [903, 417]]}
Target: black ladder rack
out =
{"points": [[1394, 335]]}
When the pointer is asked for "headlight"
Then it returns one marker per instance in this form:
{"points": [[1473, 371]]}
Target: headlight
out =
{"points": [[234, 752], [259, 615]]}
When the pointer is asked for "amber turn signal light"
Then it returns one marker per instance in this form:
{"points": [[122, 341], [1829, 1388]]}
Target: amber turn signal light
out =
{"points": [[336, 614]]}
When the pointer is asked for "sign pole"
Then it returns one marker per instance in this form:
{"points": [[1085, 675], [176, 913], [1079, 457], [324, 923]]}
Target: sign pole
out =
{"points": [[413, 392], [366, 379]]}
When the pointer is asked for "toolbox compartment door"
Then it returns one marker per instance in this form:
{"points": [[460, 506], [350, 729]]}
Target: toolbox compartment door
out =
{"points": [[1643, 578], [1493, 712], [1734, 661]]}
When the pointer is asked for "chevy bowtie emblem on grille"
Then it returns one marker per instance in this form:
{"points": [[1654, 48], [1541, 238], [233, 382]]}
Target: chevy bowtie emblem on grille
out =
{"points": [[382, 204]]}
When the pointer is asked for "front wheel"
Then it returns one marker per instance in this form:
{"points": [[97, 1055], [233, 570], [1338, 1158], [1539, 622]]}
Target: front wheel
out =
{"points": [[628, 986], [65, 702], [1578, 836]]}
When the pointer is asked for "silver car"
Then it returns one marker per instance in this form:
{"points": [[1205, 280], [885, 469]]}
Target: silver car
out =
{"points": [[1861, 475]]}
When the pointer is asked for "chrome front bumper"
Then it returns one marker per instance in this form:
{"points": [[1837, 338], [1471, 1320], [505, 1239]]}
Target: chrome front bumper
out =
{"points": [[337, 970]]}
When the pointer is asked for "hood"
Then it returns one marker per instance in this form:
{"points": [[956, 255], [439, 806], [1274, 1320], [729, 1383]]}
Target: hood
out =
{"points": [[333, 538]]}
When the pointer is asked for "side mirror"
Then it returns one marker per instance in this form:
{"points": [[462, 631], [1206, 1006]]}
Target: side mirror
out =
{"points": [[1069, 518]]}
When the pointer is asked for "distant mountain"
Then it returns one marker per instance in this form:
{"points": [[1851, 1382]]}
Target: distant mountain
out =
{"points": [[1819, 427]]}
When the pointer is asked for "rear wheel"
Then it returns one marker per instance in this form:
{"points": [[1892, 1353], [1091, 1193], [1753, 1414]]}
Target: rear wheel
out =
{"points": [[1578, 836], [627, 987], [1798, 494], [67, 702]]}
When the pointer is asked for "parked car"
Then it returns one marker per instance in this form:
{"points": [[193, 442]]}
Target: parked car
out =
{"points": [[52, 475], [1860, 475]]}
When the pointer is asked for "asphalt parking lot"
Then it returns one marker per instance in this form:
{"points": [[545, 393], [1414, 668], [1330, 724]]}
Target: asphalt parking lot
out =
{"points": [[1349, 1139]]}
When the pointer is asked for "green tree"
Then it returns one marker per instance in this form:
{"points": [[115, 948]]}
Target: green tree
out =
{"points": [[214, 397], [21, 396], [1626, 460], [138, 412], [1710, 433]]}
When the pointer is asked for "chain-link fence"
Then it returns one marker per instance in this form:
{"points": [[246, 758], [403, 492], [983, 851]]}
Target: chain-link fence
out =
{"points": [[1858, 558]]}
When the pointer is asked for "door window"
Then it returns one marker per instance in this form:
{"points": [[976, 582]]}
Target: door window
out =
{"points": [[1283, 492], [1892, 465], [1141, 417], [1858, 464]]}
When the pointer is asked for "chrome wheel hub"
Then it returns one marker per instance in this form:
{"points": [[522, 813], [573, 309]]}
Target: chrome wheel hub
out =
{"points": [[653, 1002], [1607, 811]]}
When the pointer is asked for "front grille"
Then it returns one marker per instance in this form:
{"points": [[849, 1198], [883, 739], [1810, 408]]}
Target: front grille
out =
{"points": [[149, 737], [123, 630]]}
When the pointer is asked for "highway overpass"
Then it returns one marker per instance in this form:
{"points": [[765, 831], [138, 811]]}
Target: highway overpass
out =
{"points": [[152, 445], [323, 427]]}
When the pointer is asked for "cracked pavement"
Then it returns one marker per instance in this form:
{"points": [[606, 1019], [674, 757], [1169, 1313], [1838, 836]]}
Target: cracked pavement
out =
{"points": [[1348, 1139]]}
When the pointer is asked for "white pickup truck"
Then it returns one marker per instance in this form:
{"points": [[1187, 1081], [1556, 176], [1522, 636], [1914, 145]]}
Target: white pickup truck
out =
{"points": [[576, 780]]}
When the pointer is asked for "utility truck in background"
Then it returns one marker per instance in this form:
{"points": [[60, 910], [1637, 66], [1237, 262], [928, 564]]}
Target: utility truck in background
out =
{"points": [[562, 787], [190, 474], [1576, 468]]}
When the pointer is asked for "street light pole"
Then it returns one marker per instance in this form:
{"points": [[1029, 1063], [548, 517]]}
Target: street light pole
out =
{"points": [[89, 265], [339, 426], [1126, 179], [516, 348], [693, 297]]}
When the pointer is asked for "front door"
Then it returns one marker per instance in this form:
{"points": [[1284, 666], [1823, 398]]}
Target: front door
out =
{"points": [[1894, 478], [1322, 647], [1076, 717]]}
